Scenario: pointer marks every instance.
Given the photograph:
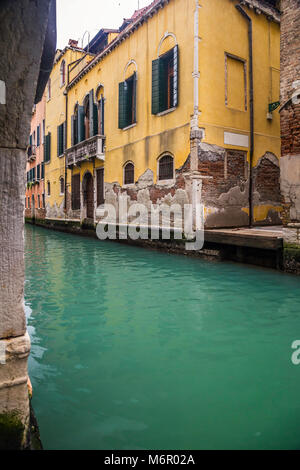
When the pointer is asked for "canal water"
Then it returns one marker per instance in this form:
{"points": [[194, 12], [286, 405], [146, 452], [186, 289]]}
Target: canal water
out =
{"points": [[136, 349]]}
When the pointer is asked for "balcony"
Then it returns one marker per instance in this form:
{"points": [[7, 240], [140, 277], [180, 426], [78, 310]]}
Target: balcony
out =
{"points": [[94, 147], [31, 153]]}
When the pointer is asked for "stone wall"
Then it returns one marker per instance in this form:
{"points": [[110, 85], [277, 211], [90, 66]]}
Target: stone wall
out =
{"points": [[290, 110], [22, 36]]}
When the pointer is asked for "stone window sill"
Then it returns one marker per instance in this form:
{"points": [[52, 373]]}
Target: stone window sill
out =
{"points": [[129, 127], [167, 111]]}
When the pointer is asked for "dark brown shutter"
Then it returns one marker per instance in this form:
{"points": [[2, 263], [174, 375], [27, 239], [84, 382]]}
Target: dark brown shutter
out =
{"points": [[100, 186], [75, 192]]}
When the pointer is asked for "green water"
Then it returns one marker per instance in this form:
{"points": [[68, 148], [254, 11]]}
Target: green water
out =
{"points": [[136, 349]]}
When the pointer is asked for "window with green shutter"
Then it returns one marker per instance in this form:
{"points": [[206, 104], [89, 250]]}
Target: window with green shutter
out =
{"points": [[38, 172], [60, 139], [80, 124], [38, 135], [127, 102], [47, 148], [165, 81], [42, 171]]}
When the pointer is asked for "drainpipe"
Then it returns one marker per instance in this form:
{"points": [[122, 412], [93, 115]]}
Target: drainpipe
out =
{"points": [[250, 40], [66, 141], [196, 74]]}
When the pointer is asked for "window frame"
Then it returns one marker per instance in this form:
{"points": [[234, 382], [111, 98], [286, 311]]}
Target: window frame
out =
{"points": [[124, 173], [165, 179]]}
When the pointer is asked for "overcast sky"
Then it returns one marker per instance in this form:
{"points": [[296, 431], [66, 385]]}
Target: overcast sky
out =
{"points": [[75, 17]]}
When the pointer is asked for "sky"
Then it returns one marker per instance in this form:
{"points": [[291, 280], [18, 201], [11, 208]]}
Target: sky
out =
{"points": [[75, 17]]}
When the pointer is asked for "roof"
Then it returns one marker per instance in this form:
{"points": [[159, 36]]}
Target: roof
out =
{"points": [[143, 14]]}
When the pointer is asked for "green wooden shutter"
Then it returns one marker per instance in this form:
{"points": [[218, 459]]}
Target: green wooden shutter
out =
{"points": [[102, 115], [30, 140], [64, 136], [176, 76], [49, 146], [38, 172], [58, 141], [72, 131], [134, 89], [155, 86], [122, 105], [42, 171], [80, 124], [95, 119], [38, 136], [91, 112], [163, 86]]}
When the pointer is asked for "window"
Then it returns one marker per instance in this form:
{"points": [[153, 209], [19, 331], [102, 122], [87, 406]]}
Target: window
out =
{"points": [[75, 192], [84, 122], [166, 168], [87, 118], [62, 73], [235, 83], [48, 188], [47, 148], [127, 102], [101, 116], [165, 81], [43, 199], [43, 132], [33, 138], [42, 171], [28, 203], [129, 173], [38, 172], [61, 132], [38, 135], [62, 185], [49, 89], [39, 201]]}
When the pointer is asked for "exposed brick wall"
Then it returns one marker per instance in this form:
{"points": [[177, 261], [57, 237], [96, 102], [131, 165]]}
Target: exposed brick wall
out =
{"points": [[290, 114], [290, 72], [227, 168], [267, 181]]}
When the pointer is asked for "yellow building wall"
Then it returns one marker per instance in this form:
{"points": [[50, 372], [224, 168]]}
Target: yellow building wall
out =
{"points": [[152, 135], [222, 30], [56, 115]]}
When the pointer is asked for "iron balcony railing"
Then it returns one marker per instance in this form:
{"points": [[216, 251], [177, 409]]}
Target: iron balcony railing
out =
{"points": [[94, 147]]}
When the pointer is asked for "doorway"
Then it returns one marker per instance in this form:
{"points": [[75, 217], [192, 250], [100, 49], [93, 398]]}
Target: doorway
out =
{"points": [[88, 195]]}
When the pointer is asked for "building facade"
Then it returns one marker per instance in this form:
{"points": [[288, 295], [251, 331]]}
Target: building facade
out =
{"points": [[290, 119], [55, 126], [35, 188], [168, 114]]}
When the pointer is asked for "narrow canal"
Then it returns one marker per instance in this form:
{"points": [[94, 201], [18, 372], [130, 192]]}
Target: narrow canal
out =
{"points": [[135, 349]]}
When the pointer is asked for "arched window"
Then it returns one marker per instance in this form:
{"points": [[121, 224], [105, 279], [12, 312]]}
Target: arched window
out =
{"points": [[48, 188], [62, 73], [49, 89], [165, 71], [62, 185], [129, 173], [166, 168]]}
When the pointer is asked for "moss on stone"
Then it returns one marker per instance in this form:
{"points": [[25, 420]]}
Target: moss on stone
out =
{"points": [[11, 431], [292, 251]]}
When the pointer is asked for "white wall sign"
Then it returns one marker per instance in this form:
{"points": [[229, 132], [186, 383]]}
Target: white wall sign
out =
{"points": [[239, 140]]}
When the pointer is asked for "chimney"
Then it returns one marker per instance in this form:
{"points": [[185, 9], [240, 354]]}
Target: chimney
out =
{"points": [[73, 43]]}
